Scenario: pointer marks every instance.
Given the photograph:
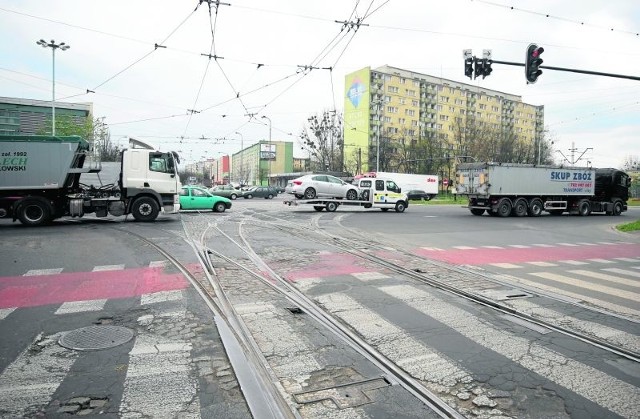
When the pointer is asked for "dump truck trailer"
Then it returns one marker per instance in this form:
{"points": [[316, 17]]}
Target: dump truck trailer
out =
{"points": [[40, 180], [520, 190]]}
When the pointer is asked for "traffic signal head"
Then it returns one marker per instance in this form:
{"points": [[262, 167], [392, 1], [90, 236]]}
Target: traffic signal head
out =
{"points": [[486, 67], [479, 70], [468, 67], [533, 62]]}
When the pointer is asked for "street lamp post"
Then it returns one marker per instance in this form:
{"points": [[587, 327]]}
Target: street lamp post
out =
{"points": [[269, 171], [53, 47], [241, 157]]}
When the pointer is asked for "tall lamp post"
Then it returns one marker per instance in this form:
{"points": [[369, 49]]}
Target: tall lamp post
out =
{"points": [[54, 47], [269, 172], [241, 158]]}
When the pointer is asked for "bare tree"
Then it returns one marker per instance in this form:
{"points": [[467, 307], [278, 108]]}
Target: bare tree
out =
{"points": [[322, 139]]}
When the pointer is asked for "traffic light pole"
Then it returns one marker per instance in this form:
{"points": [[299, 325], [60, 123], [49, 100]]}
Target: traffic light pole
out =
{"points": [[572, 70]]}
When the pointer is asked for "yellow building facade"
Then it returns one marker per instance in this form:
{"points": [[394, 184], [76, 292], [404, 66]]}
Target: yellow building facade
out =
{"points": [[389, 105]]}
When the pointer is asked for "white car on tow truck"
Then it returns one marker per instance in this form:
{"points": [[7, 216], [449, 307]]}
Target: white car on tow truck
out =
{"points": [[380, 193]]}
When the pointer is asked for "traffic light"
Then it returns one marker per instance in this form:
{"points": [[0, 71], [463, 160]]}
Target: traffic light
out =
{"points": [[486, 67], [468, 67], [532, 63]]}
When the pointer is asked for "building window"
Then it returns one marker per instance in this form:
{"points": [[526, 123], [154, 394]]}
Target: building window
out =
{"points": [[409, 112], [403, 80], [387, 119], [444, 99], [392, 89], [444, 117], [392, 109]]}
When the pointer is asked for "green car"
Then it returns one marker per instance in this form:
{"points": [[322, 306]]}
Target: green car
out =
{"points": [[196, 198]]}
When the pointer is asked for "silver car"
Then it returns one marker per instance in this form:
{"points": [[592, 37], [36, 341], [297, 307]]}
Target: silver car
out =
{"points": [[314, 186]]}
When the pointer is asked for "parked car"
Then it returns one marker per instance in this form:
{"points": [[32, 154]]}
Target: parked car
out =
{"points": [[419, 194], [196, 198], [227, 191], [312, 186], [266, 192]]}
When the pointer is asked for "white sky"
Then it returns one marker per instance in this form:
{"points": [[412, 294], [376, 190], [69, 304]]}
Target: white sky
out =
{"points": [[146, 94]]}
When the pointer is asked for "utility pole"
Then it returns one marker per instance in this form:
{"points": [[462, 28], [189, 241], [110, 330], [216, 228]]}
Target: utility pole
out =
{"points": [[241, 171]]}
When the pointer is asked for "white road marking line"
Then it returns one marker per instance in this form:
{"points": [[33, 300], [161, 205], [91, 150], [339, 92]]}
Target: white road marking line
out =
{"points": [[609, 278], [568, 244], [585, 285], [52, 271], [520, 246], [435, 249], [505, 265], [464, 247], [108, 268], [608, 243], [370, 276], [573, 262], [587, 244], [492, 247], [596, 260], [578, 297], [609, 392], [419, 360], [543, 245], [615, 336], [624, 272], [160, 297], [543, 264], [31, 379], [158, 380], [4, 312], [158, 263], [632, 260], [81, 306]]}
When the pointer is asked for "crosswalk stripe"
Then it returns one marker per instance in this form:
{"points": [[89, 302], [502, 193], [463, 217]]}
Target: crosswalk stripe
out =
{"points": [[436, 249], [573, 262], [623, 272], [464, 247], [4, 312], [420, 361], [615, 336], [596, 260], [568, 244], [108, 268], [492, 247], [30, 382], [519, 246], [51, 271], [370, 276], [542, 264], [579, 297], [505, 265], [81, 306], [160, 297], [158, 263], [158, 380], [587, 244], [585, 285], [632, 260], [609, 392], [542, 245], [610, 278]]}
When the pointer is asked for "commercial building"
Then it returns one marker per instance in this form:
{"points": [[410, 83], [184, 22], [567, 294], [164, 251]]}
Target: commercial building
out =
{"points": [[31, 117], [260, 163], [391, 113]]}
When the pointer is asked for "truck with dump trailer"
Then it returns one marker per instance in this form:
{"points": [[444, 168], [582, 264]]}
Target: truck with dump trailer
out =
{"points": [[40, 180], [501, 189], [408, 181], [380, 193]]}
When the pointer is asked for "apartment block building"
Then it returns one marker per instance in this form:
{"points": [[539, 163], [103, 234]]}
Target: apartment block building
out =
{"points": [[388, 106]]}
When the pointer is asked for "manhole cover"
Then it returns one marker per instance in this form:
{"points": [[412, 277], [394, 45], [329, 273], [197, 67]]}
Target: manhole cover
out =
{"points": [[96, 337]]}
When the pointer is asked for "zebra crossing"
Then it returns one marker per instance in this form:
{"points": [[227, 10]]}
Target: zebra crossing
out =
{"points": [[159, 373]]}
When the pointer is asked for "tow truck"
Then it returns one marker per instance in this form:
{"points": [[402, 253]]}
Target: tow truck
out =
{"points": [[372, 193]]}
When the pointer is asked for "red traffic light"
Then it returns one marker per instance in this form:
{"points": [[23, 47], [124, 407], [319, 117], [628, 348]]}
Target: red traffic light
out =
{"points": [[532, 63]]}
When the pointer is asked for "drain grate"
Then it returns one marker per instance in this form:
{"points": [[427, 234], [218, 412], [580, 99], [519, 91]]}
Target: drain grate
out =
{"points": [[96, 337]]}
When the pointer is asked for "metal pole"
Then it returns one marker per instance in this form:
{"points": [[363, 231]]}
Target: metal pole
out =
{"points": [[241, 157], [269, 164], [53, 98]]}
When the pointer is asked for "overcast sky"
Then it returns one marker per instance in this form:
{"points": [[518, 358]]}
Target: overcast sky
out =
{"points": [[177, 98]]}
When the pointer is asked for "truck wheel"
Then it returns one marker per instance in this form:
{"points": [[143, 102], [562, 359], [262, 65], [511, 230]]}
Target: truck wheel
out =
{"points": [[318, 208], [352, 195], [219, 207], [504, 207], [310, 193], [584, 208], [34, 212], [145, 209], [477, 211], [520, 208], [400, 206], [331, 206], [535, 207], [617, 208]]}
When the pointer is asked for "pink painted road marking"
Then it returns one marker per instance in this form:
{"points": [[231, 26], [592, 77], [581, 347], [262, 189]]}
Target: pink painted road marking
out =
{"points": [[534, 254], [327, 264], [31, 291]]}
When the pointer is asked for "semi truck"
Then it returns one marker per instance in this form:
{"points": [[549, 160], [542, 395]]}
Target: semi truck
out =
{"points": [[40, 180], [408, 181], [380, 193], [520, 190]]}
